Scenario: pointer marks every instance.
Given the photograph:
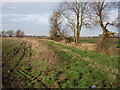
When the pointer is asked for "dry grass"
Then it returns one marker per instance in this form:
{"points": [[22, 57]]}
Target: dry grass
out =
{"points": [[106, 48], [43, 50], [82, 46]]}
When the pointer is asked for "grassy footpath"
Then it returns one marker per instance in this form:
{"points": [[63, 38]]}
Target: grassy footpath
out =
{"points": [[77, 69]]}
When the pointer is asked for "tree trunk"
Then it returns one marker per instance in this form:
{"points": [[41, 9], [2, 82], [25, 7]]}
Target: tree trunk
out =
{"points": [[104, 36], [74, 36], [81, 20], [79, 27], [105, 31], [63, 36], [77, 34], [102, 44]]}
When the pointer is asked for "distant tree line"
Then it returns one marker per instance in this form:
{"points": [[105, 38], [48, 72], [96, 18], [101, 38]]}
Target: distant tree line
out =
{"points": [[11, 33]]}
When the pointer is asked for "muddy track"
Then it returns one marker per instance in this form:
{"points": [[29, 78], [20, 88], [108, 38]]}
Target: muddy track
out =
{"points": [[23, 54], [9, 71], [14, 53], [33, 79], [41, 49]]}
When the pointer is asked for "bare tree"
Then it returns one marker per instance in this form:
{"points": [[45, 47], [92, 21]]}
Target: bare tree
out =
{"points": [[56, 24], [53, 33], [100, 14], [10, 33], [53, 25], [4, 34], [71, 22], [74, 13], [19, 33]]}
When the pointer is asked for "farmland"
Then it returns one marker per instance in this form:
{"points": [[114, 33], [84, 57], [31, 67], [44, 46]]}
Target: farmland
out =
{"points": [[42, 63]]}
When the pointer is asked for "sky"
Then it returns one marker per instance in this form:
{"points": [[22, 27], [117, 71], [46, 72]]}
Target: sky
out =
{"points": [[33, 17]]}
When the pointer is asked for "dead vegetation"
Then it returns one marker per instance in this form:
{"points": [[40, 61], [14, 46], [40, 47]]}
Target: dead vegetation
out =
{"points": [[105, 47], [82, 46], [43, 51]]}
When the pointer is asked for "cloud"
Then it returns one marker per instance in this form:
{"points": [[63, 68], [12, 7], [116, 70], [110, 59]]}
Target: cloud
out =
{"points": [[12, 15], [36, 18], [0, 26], [42, 18], [32, 18]]}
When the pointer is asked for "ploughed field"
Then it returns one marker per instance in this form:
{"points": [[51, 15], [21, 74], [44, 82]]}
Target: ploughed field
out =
{"points": [[41, 63]]}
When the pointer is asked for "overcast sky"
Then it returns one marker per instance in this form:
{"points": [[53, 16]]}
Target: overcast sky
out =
{"points": [[33, 17]]}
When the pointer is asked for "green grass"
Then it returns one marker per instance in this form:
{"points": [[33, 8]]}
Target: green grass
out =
{"points": [[113, 41], [88, 40], [81, 73], [76, 69]]}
